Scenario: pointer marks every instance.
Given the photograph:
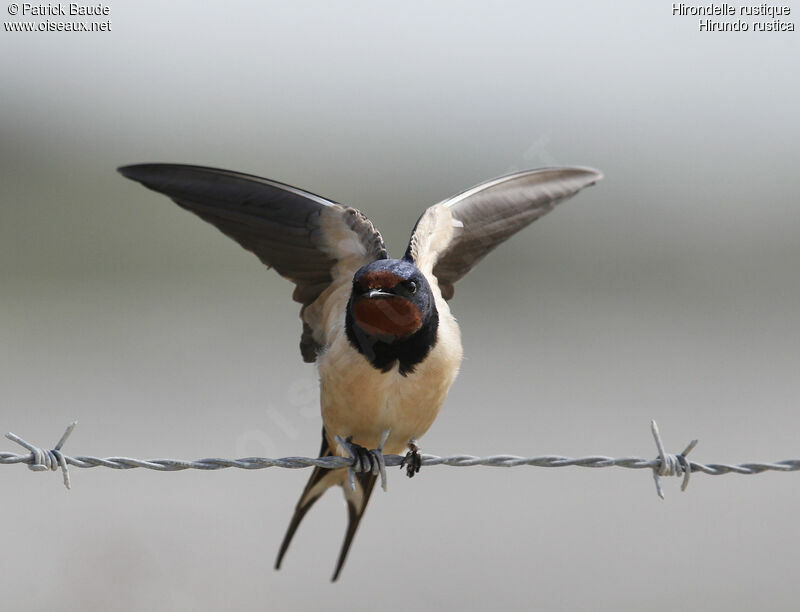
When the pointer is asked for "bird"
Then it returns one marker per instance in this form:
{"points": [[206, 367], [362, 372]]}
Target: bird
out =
{"points": [[386, 345]]}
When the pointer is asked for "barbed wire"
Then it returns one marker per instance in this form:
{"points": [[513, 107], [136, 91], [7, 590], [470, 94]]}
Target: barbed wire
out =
{"points": [[665, 464]]}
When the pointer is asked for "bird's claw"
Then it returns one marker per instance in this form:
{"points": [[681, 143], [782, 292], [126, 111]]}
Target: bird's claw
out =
{"points": [[365, 460], [412, 461]]}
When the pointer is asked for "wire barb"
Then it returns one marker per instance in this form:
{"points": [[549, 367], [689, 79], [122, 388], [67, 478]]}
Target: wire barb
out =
{"points": [[41, 460], [670, 465]]}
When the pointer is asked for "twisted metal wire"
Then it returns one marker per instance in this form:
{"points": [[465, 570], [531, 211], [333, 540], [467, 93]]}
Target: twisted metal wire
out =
{"points": [[664, 464]]}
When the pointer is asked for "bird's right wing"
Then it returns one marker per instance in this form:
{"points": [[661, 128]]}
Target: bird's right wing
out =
{"points": [[454, 235], [315, 243]]}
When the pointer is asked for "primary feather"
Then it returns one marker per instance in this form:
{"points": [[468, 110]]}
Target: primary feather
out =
{"points": [[312, 241], [453, 236]]}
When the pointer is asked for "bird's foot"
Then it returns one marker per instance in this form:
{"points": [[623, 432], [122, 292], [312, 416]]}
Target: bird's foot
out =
{"points": [[365, 460], [412, 461]]}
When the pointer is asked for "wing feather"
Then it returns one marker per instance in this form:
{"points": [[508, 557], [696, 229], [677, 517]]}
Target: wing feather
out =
{"points": [[314, 242], [451, 237]]}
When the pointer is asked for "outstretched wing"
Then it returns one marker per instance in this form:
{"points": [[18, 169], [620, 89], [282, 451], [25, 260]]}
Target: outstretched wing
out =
{"points": [[454, 235], [315, 243]]}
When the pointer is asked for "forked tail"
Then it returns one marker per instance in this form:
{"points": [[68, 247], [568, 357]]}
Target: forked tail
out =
{"points": [[321, 480]]}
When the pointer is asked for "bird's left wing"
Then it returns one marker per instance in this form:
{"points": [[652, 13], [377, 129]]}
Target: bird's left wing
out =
{"points": [[453, 236], [314, 242]]}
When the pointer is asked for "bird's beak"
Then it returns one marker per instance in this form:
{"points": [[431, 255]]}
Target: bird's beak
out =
{"points": [[377, 293]]}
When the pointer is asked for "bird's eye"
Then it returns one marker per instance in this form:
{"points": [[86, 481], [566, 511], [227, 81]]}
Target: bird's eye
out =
{"points": [[412, 286]]}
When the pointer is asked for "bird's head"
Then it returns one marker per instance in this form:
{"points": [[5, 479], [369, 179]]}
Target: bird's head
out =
{"points": [[391, 300]]}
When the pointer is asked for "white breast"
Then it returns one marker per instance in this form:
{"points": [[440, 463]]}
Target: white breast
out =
{"points": [[361, 401]]}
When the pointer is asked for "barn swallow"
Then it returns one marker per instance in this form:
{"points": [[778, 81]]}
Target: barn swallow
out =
{"points": [[386, 346]]}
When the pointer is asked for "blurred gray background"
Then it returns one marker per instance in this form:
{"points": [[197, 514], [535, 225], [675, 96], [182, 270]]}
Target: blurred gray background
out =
{"points": [[668, 291]]}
